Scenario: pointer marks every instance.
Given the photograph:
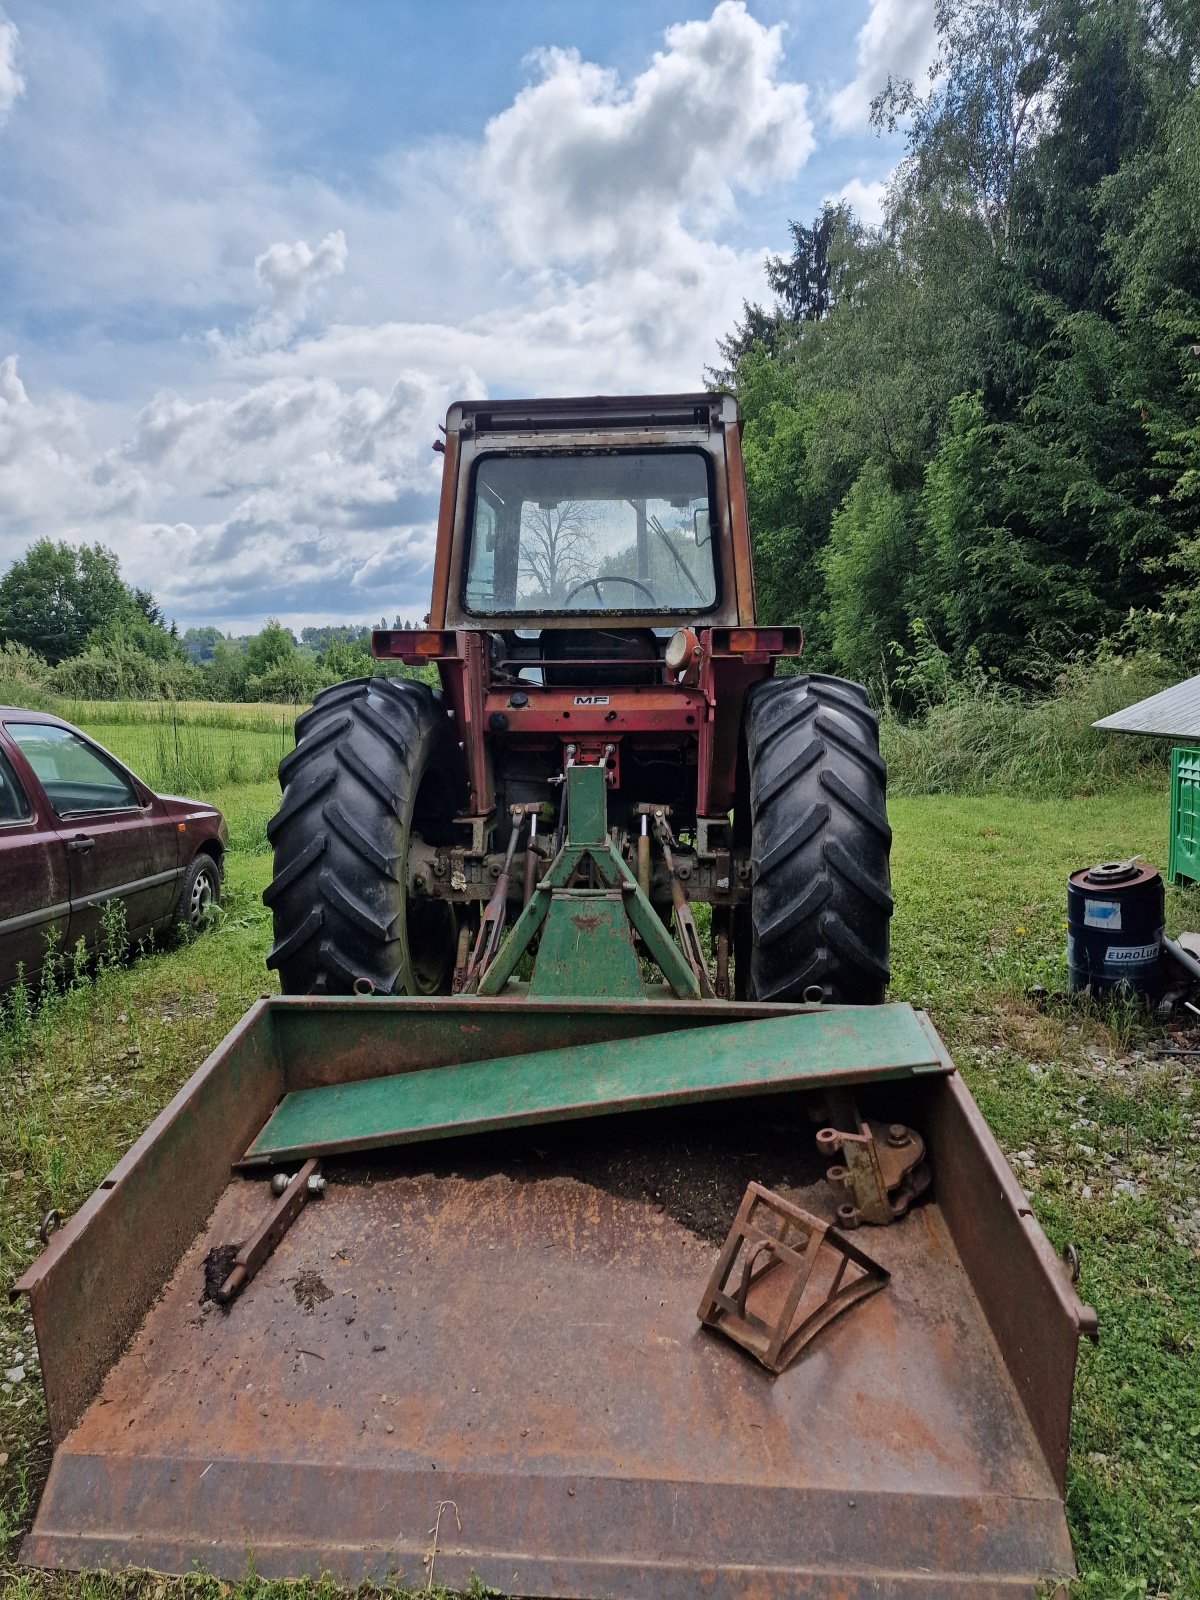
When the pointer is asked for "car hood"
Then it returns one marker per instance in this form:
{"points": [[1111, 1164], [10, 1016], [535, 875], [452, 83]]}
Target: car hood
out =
{"points": [[177, 804]]}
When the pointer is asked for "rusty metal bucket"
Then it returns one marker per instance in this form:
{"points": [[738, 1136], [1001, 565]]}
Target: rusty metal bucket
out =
{"points": [[496, 1336]]}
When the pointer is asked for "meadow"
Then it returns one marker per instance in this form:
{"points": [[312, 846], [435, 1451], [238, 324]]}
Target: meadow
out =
{"points": [[1101, 1126], [189, 746]]}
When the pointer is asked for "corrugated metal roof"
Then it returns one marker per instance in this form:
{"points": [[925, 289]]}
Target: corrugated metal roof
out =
{"points": [[1172, 714]]}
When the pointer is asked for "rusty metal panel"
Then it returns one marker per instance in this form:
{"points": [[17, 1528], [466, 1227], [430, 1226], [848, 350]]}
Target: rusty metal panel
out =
{"points": [[1024, 1289], [528, 1350], [522, 1341], [91, 1286]]}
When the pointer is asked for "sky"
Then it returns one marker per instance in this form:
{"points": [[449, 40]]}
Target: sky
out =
{"points": [[251, 251]]}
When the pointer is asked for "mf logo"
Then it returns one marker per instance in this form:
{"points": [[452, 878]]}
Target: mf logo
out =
{"points": [[591, 700]]}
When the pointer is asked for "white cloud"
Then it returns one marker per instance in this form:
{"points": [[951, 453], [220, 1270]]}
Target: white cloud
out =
{"points": [[290, 271], [898, 38], [866, 199], [52, 479], [581, 166], [588, 241], [12, 83]]}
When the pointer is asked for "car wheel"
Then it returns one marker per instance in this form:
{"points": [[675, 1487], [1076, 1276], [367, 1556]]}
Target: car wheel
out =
{"points": [[200, 895]]}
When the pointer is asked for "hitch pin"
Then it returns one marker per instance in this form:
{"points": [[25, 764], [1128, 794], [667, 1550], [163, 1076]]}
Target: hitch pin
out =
{"points": [[531, 860], [270, 1231], [643, 856]]}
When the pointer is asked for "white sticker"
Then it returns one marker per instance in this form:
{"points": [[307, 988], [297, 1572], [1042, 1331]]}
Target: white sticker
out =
{"points": [[1102, 914], [1130, 955], [590, 700]]}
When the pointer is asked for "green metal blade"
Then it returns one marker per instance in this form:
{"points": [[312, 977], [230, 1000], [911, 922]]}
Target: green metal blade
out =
{"points": [[804, 1050]]}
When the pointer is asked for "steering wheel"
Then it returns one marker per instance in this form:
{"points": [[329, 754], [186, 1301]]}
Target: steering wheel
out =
{"points": [[612, 577]]}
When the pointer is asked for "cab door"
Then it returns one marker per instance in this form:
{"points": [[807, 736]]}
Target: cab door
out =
{"points": [[120, 843], [34, 879]]}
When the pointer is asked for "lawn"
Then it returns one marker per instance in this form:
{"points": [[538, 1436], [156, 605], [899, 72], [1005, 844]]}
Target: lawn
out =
{"points": [[1103, 1131]]}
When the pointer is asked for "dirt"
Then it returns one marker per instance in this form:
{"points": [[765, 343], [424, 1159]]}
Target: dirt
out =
{"points": [[310, 1289], [218, 1264], [694, 1165]]}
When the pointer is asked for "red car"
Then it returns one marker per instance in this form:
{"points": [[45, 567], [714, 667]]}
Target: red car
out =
{"points": [[78, 830]]}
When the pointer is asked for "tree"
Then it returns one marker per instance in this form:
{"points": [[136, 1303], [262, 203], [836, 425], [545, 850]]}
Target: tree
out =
{"points": [[274, 646], [199, 643], [806, 282], [986, 107], [56, 594], [227, 673], [556, 547], [345, 658], [868, 564], [996, 389]]}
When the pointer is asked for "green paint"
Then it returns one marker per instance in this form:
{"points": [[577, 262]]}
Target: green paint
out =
{"points": [[586, 943], [1183, 859], [587, 805], [588, 852], [728, 1060]]}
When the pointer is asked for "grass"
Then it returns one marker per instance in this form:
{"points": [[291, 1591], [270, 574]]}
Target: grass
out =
{"points": [[189, 746], [262, 716], [985, 740], [190, 758], [1103, 1132]]}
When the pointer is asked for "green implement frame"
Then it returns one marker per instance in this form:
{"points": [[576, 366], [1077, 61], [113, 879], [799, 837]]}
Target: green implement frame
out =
{"points": [[586, 910], [807, 1050]]}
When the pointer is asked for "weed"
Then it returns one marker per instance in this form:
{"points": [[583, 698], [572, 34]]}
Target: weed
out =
{"points": [[1103, 1133], [113, 935]]}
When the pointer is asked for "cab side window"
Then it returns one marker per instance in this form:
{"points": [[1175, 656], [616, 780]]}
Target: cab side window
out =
{"points": [[77, 778], [14, 806]]}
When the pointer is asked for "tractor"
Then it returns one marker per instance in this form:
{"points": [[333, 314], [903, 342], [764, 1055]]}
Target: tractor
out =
{"points": [[593, 604], [581, 1220]]}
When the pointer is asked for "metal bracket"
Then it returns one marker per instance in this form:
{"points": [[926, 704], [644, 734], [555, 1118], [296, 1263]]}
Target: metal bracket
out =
{"points": [[587, 843], [882, 1173], [685, 924], [820, 1275], [271, 1230]]}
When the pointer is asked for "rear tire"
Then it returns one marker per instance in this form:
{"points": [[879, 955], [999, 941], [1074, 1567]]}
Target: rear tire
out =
{"points": [[374, 762], [815, 789]]}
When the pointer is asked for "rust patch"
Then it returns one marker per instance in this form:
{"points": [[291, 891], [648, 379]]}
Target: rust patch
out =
{"points": [[586, 921]]}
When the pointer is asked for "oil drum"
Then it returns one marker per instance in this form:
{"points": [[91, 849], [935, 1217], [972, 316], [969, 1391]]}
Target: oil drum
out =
{"points": [[1115, 917]]}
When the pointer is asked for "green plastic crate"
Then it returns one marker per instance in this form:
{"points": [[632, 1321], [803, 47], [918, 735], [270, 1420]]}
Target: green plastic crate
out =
{"points": [[1183, 862]]}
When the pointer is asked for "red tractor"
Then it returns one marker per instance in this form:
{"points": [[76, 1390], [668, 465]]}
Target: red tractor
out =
{"points": [[593, 604]]}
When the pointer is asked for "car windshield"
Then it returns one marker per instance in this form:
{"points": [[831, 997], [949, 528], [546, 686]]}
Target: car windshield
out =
{"points": [[623, 532]]}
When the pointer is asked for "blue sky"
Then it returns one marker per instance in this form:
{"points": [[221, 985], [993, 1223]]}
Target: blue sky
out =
{"points": [[249, 252]]}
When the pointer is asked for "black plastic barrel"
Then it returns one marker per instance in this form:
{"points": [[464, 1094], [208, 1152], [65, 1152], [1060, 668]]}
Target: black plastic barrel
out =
{"points": [[1115, 916]]}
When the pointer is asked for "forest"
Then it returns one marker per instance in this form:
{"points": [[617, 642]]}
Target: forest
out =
{"points": [[972, 437]]}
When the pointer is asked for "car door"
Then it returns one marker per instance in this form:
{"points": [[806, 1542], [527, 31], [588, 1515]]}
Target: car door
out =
{"points": [[35, 890], [119, 841]]}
